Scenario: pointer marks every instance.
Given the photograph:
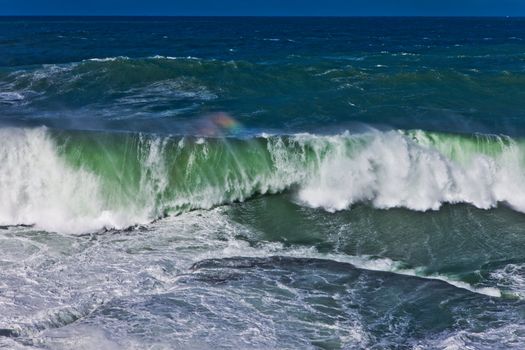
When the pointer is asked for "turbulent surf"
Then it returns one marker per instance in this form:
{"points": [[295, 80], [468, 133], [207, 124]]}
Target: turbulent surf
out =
{"points": [[267, 183]]}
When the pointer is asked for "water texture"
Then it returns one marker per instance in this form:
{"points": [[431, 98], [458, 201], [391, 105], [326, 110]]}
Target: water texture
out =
{"points": [[262, 183]]}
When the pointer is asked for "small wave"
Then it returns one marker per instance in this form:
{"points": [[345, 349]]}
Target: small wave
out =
{"points": [[11, 97], [109, 59], [405, 54], [126, 58], [363, 262], [347, 58], [160, 57], [397, 267]]}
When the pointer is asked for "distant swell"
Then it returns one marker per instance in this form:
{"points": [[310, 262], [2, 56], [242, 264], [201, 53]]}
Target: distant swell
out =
{"points": [[83, 181]]}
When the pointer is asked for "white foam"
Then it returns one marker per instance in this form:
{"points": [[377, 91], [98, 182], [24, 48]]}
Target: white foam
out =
{"points": [[10, 96], [161, 57], [38, 187], [391, 170], [505, 336], [511, 277], [108, 59]]}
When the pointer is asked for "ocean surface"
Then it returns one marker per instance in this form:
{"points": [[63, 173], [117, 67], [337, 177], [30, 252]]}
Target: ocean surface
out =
{"points": [[262, 183]]}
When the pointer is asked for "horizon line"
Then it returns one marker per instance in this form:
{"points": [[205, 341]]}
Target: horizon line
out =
{"points": [[258, 16]]}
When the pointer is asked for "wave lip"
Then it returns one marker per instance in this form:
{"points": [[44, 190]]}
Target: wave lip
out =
{"points": [[80, 181]]}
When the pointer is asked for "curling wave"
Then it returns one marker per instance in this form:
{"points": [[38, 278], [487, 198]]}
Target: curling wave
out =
{"points": [[83, 181]]}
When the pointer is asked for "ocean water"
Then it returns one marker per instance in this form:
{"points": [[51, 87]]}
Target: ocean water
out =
{"points": [[262, 183]]}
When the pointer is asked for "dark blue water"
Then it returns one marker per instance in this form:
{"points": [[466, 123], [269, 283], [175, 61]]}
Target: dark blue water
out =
{"points": [[262, 183], [283, 74]]}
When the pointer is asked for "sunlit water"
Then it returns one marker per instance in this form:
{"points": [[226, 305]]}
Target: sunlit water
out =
{"points": [[204, 183]]}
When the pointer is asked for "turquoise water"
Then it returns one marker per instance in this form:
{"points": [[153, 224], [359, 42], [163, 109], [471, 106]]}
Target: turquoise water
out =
{"points": [[196, 183]]}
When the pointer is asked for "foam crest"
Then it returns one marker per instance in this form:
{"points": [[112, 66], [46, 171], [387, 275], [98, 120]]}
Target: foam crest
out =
{"points": [[397, 170], [38, 187], [81, 181]]}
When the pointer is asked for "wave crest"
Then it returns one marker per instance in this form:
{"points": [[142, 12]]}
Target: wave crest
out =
{"points": [[419, 171], [83, 181]]}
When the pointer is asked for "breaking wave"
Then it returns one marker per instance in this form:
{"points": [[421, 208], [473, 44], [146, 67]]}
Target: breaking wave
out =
{"points": [[78, 182]]}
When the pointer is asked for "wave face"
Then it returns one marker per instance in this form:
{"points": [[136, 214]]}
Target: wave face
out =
{"points": [[83, 181]]}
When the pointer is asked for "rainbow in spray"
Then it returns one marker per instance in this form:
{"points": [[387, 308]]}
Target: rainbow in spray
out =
{"points": [[219, 124]]}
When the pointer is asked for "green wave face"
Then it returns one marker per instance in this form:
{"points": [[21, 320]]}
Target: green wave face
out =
{"points": [[119, 179], [174, 174]]}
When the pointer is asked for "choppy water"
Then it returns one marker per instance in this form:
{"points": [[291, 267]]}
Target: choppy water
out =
{"points": [[264, 183]]}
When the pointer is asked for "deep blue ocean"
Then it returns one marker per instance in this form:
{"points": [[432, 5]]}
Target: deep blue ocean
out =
{"points": [[262, 183]]}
